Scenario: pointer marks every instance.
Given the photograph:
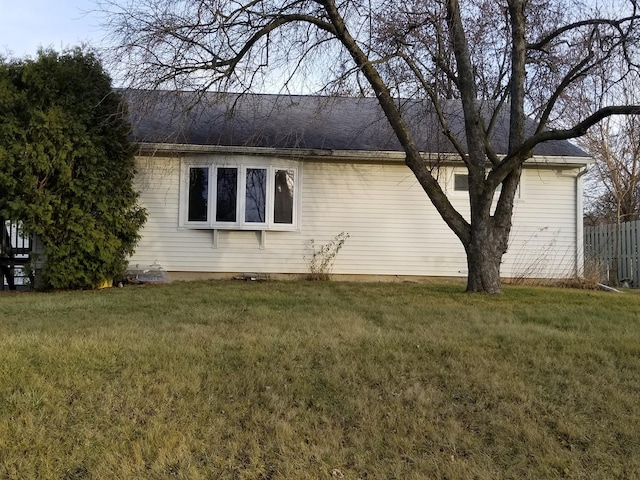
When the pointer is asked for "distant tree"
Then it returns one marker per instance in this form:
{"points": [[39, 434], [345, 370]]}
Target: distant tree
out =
{"points": [[66, 165], [613, 184], [519, 57]]}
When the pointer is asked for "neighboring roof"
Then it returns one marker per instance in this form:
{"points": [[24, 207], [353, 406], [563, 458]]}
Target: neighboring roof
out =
{"points": [[299, 122]]}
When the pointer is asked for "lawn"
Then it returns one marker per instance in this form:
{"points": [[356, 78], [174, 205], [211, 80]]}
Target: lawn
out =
{"points": [[313, 380]]}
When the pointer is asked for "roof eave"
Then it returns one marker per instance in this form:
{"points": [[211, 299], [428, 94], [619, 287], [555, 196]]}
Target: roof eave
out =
{"points": [[559, 161], [165, 149]]}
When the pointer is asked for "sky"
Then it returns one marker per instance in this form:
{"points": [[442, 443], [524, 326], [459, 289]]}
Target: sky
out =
{"points": [[26, 25]]}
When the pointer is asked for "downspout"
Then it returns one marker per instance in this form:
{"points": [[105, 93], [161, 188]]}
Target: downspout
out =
{"points": [[580, 222]]}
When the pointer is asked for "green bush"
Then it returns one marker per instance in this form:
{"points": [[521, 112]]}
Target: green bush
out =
{"points": [[67, 165]]}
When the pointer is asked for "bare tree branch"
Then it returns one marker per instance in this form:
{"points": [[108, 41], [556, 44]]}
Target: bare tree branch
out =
{"points": [[554, 35]]}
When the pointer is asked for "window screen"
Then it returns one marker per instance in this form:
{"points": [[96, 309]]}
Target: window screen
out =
{"points": [[198, 194], [461, 182], [255, 195], [283, 196], [226, 194]]}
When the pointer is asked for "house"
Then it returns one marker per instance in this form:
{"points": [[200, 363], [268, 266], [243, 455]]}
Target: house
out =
{"points": [[245, 183]]}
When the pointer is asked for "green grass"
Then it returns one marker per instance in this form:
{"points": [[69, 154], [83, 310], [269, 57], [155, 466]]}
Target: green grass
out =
{"points": [[312, 380]]}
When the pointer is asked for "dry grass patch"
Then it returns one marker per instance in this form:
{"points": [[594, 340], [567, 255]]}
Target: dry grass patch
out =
{"points": [[317, 380]]}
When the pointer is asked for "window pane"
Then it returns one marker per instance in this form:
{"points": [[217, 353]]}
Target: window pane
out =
{"points": [[461, 182], [283, 208], [227, 193], [256, 195], [198, 194]]}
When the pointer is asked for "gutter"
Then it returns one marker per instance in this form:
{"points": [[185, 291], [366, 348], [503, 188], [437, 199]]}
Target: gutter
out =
{"points": [[169, 149], [580, 222]]}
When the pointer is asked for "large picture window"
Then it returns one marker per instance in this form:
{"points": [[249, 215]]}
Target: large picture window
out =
{"points": [[239, 197]]}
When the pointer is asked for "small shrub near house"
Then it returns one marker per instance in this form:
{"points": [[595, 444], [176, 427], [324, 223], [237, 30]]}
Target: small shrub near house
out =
{"points": [[320, 260]]}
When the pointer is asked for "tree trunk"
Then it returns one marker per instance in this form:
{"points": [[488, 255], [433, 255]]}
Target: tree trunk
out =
{"points": [[484, 256], [488, 239]]}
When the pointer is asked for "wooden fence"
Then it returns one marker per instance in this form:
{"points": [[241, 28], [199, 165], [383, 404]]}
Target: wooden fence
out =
{"points": [[616, 250]]}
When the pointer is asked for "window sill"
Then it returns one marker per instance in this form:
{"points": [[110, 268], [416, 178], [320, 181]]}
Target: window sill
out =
{"points": [[242, 228]]}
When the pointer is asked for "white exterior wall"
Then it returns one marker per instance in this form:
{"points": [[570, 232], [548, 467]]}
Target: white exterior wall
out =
{"points": [[393, 228]]}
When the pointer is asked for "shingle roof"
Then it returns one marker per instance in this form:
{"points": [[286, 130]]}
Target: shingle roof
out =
{"points": [[293, 121]]}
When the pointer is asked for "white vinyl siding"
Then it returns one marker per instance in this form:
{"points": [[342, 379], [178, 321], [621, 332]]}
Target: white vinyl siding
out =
{"points": [[393, 228], [543, 237]]}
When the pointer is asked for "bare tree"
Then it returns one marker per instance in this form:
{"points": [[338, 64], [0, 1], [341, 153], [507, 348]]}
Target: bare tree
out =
{"points": [[614, 186], [614, 182], [523, 57]]}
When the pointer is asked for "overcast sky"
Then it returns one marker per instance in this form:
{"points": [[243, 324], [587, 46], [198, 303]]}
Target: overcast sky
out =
{"points": [[26, 25]]}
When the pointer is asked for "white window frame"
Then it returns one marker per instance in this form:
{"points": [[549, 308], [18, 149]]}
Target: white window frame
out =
{"points": [[184, 196], [240, 223]]}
